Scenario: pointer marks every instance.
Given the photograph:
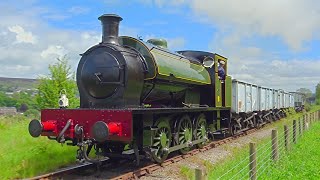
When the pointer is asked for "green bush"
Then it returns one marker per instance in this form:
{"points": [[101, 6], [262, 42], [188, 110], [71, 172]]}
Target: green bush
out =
{"points": [[307, 107]]}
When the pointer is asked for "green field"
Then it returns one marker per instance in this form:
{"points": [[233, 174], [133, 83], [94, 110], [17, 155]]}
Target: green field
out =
{"points": [[301, 162], [22, 156]]}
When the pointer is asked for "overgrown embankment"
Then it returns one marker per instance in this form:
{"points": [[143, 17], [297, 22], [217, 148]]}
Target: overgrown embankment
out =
{"points": [[22, 156]]}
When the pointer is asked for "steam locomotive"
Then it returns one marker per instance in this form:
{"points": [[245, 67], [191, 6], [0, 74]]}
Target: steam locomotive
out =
{"points": [[141, 96]]}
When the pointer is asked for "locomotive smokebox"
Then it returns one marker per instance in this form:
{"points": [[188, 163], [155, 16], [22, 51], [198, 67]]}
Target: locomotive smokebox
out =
{"points": [[110, 28]]}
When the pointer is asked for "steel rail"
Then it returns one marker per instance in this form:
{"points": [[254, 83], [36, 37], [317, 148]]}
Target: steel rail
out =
{"points": [[63, 171]]}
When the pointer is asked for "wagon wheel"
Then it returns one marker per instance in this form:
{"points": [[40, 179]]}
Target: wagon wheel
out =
{"points": [[258, 121], [184, 133], [284, 114], [246, 124], [235, 128], [271, 117], [161, 141], [267, 119], [200, 129]]}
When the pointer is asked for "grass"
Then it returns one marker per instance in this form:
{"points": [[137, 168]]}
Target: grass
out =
{"points": [[302, 162], [22, 156], [237, 163]]}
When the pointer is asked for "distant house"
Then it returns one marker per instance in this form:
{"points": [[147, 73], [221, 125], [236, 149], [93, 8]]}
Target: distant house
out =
{"points": [[8, 111]]}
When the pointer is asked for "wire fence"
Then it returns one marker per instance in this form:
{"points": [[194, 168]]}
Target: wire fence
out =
{"points": [[261, 159]]}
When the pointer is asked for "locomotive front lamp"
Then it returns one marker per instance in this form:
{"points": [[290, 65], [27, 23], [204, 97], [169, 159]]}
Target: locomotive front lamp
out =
{"points": [[63, 101]]}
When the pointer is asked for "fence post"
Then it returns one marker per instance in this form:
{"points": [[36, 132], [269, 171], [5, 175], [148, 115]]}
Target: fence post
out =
{"points": [[304, 122], [253, 161], [299, 123], [302, 125], [275, 153], [309, 119], [286, 137], [294, 131], [312, 116], [199, 175]]}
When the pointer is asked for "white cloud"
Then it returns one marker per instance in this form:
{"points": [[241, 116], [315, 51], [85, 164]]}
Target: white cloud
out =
{"points": [[54, 50], [18, 68], [171, 2], [288, 75], [22, 36], [28, 41], [176, 43], [162, 3], [76, 10], [42, 43], [294, 21]]}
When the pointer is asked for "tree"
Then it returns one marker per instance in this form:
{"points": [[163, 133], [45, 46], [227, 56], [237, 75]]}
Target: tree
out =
{"points": [[23, 107], [59, 79], [318, 94], [24, 101], [305, 91], [7, 101]]}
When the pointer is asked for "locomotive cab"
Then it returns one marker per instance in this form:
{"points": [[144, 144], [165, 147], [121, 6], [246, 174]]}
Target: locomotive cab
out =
{"points": [[218, 90], [222, 84]]}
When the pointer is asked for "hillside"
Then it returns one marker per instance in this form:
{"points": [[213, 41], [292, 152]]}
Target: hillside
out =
{"points": [[16, 84]]}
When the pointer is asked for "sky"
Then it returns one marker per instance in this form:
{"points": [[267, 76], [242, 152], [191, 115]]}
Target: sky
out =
{"points": [[272, 43]]}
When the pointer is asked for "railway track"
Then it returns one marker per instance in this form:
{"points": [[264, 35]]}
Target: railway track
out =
{"points": [[122, 170], [67, 170], [151, 168]]}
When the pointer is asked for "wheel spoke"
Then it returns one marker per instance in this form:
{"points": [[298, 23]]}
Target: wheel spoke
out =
{"points": [[200, 129], [184, 133], [181, 138], [161, 140]]}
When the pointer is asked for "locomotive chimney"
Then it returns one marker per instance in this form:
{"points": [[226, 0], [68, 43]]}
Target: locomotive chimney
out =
{"points": [[110, 28]]}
